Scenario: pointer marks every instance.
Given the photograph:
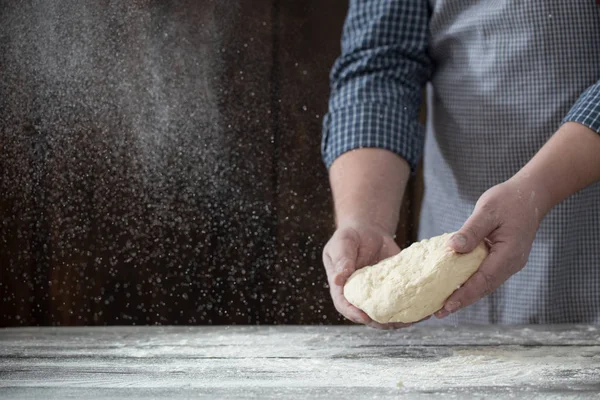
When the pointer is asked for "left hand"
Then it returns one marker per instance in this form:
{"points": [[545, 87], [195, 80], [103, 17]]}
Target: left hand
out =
{"points": [[508, 216]]}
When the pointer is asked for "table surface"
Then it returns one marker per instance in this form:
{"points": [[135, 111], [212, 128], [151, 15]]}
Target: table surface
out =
{"points": [[560, 361]]}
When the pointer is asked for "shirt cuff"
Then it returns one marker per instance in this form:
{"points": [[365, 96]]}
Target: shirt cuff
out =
{"points": [[586, 110], [373, 126]]}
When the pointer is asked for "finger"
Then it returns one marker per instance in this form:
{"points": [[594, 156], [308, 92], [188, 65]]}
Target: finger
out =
{"points": [[343, 246], [392, 325], [376, 325], [396, 325], [424, 319], [338, 274], [344, 307], [477, 227], [343, 270], [340, 256], [388, 326], [492, 273]]}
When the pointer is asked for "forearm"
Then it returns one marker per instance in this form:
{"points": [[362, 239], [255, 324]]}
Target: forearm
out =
{"points": [[367, 186], [567, 163]]}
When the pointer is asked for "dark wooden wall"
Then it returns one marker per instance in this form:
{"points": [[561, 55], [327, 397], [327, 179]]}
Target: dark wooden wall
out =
{"points": [[160, 161]]}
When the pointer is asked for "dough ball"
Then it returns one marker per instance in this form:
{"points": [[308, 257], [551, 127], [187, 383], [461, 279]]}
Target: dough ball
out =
{"points": [[414, 283]]}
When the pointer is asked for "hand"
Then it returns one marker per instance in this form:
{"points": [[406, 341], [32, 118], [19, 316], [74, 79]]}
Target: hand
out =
{"points": [[507, 216], [353, 246]]}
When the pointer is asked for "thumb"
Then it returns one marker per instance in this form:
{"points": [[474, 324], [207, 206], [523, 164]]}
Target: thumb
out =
{"points": [[343, 252], [477, 227]]}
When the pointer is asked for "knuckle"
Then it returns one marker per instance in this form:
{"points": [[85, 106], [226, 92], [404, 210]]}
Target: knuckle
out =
{"points": [[326, 248], [327, 262], [488, 207], [331, 279], [471, 231]]}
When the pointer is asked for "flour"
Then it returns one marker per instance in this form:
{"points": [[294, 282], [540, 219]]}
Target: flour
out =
{"points": [[512, 366], [298, 361]]}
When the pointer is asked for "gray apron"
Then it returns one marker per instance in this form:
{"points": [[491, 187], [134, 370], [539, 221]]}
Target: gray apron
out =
{"points": [[506, 73]]}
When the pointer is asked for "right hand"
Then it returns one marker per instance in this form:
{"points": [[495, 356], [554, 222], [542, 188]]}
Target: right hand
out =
{"points": [[355, 245]]}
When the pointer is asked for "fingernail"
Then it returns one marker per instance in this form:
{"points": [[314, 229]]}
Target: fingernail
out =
{"points": [[442, 314], [459, 240], [452, 306]]}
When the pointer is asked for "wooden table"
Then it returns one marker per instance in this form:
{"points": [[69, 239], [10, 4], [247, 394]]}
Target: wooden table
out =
{"points": [[300, 362]]}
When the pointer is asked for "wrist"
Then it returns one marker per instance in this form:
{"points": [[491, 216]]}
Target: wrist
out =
{"points": [[534, 192], [567, 163], [362, 220]]}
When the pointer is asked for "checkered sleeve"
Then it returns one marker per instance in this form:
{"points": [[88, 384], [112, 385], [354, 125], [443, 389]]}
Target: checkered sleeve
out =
{"points": [[377, 82], [586, 110]]}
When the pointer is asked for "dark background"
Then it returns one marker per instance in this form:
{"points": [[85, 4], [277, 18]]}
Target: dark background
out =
{"points": [[160, 162]]}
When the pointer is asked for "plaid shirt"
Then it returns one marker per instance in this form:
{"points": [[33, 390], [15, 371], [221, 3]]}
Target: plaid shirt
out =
{"points": [[501, 77], [376, 83]]}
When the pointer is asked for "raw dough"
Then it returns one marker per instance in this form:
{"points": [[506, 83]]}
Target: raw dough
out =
{"points": [[414, 283]]}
